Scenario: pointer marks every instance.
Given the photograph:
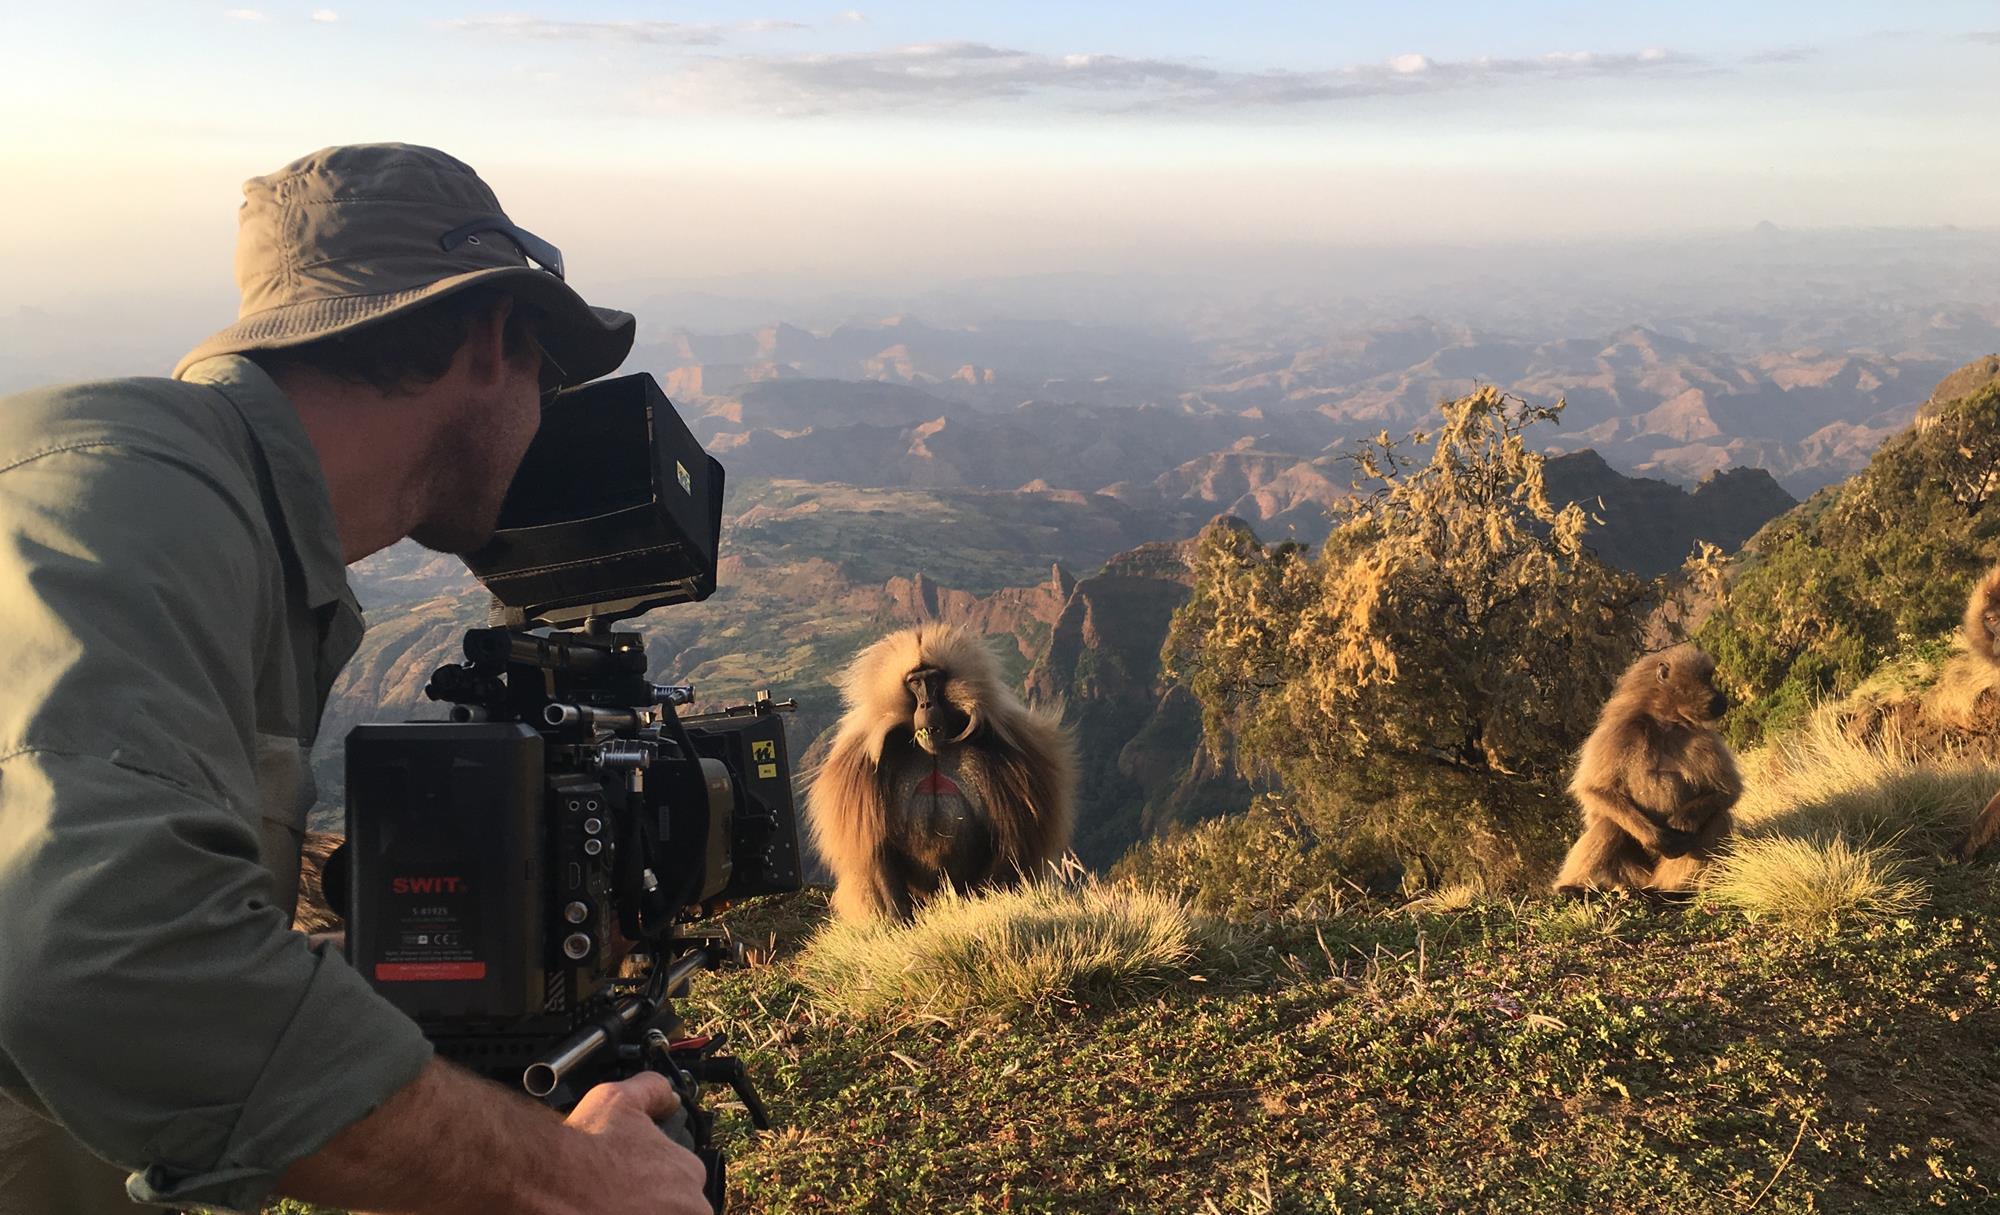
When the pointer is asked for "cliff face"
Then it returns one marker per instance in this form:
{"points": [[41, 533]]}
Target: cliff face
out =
{"points": [[1650, 526], [1023, 615], [1139, 739], [1959, 385]]}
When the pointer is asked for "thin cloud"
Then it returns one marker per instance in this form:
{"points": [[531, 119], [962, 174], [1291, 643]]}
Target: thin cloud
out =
{"points": [[244, 14], [963, 73], [852, 16], [1787, 54], [325, 16], [650, 33], [1990, 37]]}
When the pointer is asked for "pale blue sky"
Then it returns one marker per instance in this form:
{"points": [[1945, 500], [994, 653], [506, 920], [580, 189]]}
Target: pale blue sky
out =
{"points": [[949, 136]]}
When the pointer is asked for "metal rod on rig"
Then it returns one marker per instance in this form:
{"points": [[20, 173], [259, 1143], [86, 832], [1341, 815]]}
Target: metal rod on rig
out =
{"points": [[679, 972], [542, 1077], [595, 717]]}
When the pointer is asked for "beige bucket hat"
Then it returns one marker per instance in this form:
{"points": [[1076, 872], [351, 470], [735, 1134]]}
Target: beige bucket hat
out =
{"points": [[351, 235]]}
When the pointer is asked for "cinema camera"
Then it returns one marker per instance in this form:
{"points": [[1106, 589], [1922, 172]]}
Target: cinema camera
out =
{"points": [[522, 879]]}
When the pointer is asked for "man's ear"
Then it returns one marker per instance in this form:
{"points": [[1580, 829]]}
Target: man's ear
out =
{"points": [[485, 349]]}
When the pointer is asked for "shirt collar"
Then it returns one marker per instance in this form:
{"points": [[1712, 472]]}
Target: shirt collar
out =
{"points": [[303, 498]]}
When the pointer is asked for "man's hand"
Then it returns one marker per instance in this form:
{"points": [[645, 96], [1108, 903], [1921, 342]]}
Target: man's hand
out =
{"points": [[622, 1118], [453, 1144]]}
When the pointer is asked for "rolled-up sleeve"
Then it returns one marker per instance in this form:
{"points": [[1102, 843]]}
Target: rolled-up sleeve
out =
{"points": [[153, 997]]}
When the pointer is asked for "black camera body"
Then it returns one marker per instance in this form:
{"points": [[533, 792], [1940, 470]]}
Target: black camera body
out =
{"points": [[521, 878], [502, 864]]}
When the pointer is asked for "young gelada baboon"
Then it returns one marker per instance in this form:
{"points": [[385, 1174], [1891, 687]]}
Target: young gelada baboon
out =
{"points": [[1655, 781], [938, 774], [1982, 640]]}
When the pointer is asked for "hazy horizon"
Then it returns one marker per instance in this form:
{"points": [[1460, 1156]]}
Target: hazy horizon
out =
{"points": [[925, 144]]}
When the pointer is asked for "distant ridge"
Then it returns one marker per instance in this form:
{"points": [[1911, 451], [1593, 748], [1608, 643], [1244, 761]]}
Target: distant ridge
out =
{"points": [[1650, 526]]}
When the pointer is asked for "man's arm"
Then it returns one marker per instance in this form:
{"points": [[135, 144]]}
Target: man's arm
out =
{"points": [[153, 997], [453, 1144]]}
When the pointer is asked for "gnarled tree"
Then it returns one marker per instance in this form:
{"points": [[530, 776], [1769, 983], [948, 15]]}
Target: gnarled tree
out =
{"points": [[1449, 646]]}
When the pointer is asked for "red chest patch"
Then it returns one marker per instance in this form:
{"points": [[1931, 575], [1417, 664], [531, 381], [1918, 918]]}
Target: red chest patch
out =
{"points": [[937, 784]]}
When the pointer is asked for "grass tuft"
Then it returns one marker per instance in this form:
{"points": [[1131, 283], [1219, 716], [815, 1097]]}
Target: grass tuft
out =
{"points": [[1459, 896], [1004, 952], [1577, 920], [1819, 783], [1806, 881]]}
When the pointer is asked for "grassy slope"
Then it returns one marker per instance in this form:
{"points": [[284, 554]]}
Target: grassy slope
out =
{"points": [[1458, 1053], [1517, 1057], [1455, 1054]]}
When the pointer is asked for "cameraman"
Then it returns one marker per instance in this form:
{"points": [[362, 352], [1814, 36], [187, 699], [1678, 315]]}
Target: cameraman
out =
{"points": [[173, 612]]}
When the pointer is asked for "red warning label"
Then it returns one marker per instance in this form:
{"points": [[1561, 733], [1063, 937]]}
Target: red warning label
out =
{"points": [[428, 972]]}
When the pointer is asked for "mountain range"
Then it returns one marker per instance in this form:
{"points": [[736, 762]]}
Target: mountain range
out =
{"points": [[1150, 421]]}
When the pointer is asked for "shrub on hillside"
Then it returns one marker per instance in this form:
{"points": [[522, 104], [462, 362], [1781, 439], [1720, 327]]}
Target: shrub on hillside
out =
{"points": [[1828, 592], [1454, 627], [1293, 858]]}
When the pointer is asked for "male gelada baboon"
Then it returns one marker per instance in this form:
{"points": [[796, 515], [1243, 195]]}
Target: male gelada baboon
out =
{"points": [[1655, 781], [1982, 639], [938, 774]]}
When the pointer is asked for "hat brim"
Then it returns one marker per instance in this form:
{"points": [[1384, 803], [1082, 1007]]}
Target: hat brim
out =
{"points": [[585, 342]]}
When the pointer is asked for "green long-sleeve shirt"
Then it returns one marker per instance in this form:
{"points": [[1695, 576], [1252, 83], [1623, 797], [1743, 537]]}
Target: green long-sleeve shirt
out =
{"points": [[173, 610]]}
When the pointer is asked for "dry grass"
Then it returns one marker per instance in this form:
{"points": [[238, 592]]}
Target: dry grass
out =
{"points": [[1458, 896], [1806, 882], [1817, 783], [1836, 827], [1068, 941], [1961, 685]]}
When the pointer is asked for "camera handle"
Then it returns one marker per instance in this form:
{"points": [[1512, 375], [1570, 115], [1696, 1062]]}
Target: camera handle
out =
{"points": [[689, 1063], [679, 1127]]}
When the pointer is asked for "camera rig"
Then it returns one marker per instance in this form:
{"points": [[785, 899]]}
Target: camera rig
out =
{"points": [[524, 878]]}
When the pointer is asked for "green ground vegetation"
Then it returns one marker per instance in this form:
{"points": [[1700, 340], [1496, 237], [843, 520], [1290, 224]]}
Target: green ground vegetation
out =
{"points": [[1511, 1056], [1816, 1031]]}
